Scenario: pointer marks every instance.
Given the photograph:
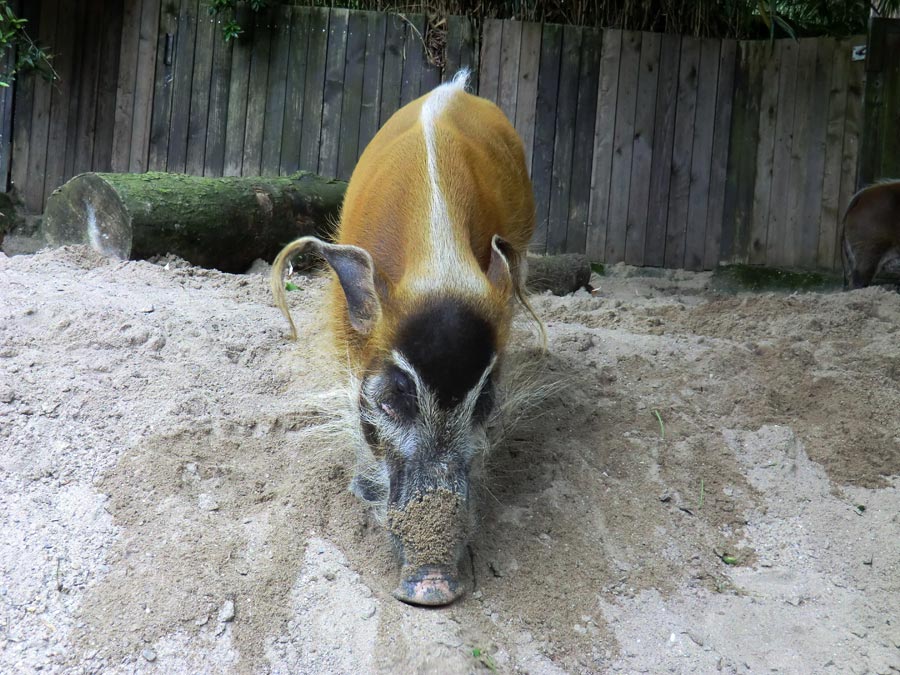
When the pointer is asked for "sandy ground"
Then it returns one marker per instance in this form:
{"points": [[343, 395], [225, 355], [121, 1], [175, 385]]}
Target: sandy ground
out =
{"points": [[712, 486]]}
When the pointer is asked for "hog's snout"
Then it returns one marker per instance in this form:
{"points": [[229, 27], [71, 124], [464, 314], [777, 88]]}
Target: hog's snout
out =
{"points": [[429, 585], [430, 532]]}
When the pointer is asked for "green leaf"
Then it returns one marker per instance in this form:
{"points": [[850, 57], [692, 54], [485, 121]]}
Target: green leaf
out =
{"points": [[288, 286]]}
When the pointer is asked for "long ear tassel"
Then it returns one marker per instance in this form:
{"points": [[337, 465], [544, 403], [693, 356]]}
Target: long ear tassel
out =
{"points": [[276, 277]]}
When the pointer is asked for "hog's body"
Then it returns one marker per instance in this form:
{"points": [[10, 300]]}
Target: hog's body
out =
{"points": [[871, 237], [429, 257]]}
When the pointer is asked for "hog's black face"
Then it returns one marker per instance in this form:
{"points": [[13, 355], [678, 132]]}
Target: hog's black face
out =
{"points": [[423, 411]]}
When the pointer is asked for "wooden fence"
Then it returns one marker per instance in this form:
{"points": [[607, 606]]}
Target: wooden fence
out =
{"points": [[645, 148]]}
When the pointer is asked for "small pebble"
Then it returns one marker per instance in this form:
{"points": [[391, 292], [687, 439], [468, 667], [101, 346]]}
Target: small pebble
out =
{"points": [[226, 613], [149, 654]]}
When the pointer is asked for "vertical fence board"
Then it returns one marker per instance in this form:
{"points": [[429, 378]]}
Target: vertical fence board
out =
{"points": [[813, 147], [251, 163], [431, 73], [604, 129], [489, 67], [545, 131], [453, 50], [414, 59], [88, 91], [829, 217], [128, 56], [765, 158], [642, 149], [392, 77], [25, 111], [181, 86], [719, 161], [582, 156], [508, 79], [217, 119], [334, 92], [801, 151], [296, 87], [778, 234], [143, 91], [852, 134], [348, 149], [701, 154], [315, 89], [564, 139], [527, 86], [661, 160], [72, 104], [623, 146], [239, 85], [161, 115], [680, 182], [201, 80], [60, 100], [371, 88], [273, 121]]}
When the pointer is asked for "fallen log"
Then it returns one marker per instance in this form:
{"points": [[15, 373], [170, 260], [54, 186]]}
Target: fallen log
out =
{"points": [[559, 274], [224, 223]]}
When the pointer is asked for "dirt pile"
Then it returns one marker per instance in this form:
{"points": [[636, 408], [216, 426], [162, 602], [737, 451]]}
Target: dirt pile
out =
{"points": [[716, 485]]}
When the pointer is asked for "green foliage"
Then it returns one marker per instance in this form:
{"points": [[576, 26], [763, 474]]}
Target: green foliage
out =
{"points": [[28, 55], [231, 29]]}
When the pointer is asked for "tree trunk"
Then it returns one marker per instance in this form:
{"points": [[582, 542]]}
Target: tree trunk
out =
{"points": [[225, 223], [559, 274]]}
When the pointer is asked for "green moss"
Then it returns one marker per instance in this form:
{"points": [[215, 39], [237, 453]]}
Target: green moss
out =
{"points": [[598, 268], [758, 278]]}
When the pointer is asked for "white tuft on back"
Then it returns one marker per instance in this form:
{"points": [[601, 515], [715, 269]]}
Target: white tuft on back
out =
{"points": [[447, 259]]}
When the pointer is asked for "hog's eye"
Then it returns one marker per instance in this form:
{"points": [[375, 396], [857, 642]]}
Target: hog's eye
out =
{"points": [[399, 396]]}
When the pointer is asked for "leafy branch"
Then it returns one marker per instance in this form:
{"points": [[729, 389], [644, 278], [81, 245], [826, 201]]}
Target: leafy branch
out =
{"points": [[28, 55], [231, 29]]}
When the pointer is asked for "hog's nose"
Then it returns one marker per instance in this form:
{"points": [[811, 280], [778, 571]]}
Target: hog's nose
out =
{"points": [[429, 585]]}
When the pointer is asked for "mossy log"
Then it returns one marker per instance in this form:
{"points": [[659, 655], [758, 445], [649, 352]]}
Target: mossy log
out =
{"points": [[559, 274], [224, 223]]}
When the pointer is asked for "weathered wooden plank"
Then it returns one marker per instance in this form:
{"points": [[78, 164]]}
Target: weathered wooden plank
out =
{"points": [[392, 77], [889, 159], [6, 106], [701, 154], [459, 46], [128, 57], [25, 111], [765, 154], [527, 86], [61, 98], [414, 59], [163, 84], [583, 151], [238, 89], [251, 164], [874, 104], [680, 182], [371, 89], [661, 159], [489, 69], [853, 119], [143, 91], [217, 117], [80, 154], [829, 216], [348, 148], [508, 75], [545, 131], [315, 89], [623, 145], [431, 73], [806, 222], [77, 55], [334, 92], [296, 86], [778, 234], [273, 127], [719, 161], [468, 51], [201, 82], [642, 149], [604, 138], [564, 139], [185, 40]]}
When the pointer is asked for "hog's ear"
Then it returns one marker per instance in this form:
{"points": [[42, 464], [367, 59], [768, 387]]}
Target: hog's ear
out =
{"points": [[354, 269], [505, 269]]}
